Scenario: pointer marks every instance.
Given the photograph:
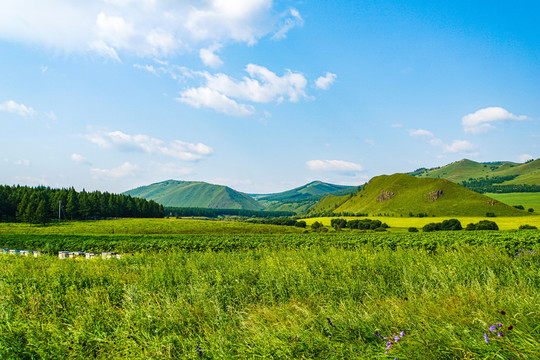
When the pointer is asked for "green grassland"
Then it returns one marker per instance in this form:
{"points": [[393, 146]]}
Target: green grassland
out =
{"points": [[146, 226], [408, 194], [527, 200], [527, 173], [325, 303], [189, 292]]}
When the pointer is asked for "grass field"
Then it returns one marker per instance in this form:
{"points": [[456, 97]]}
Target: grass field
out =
{"points": [[264, 295], [528, 200], [291, 304], [146, 226], [403, 223]]}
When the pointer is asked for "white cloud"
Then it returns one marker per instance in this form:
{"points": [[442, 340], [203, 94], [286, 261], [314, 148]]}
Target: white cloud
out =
{"points": [[80, 159], [524, 157], [289, 22], [397, 125], [15, 108], [22, 162], [144, 143], [336, 166], [124, 170], [141, 27], [421, 132], [457, 146], [481, 121], [148, 68], [222, 92], [209, 57], [324, 82], [206, 97]]}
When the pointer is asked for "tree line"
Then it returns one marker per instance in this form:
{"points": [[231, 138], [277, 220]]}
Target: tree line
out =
{"points": [[40, 204], [494, 185]]}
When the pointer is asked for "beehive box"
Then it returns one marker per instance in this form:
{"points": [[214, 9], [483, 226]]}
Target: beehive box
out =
{"points": [[92, 255], [38, 253], [63, 254], [108, 255], [76, 254], [13, 252]]}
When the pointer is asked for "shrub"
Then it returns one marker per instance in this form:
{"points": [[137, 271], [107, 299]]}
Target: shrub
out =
{"points": [[452, 224], [432, 227], [300, 224], [530, 210], [413, 229], [486, 225], [527, 227], [490, 214], [316, 225], [520, 207]]}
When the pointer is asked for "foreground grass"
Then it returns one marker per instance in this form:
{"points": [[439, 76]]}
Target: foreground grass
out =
{"points": [[319, 303]]}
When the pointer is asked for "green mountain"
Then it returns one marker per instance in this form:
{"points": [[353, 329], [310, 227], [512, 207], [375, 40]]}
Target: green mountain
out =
{"points": [[463, 170], [402, 194], [175, 193], [302, 198]]}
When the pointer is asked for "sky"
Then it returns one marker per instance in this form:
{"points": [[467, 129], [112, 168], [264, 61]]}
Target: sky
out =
{"points": [[260, 95]]}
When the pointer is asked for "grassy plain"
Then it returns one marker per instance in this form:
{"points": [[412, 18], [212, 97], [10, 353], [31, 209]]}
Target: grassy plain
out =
{"points": [[403, 223], [273, 304], [528, 200], [192, 294]]}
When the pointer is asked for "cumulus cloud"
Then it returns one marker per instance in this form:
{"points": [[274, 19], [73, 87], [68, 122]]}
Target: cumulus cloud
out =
{"points": [[122, 171], [222, 93], [336, 166], [79, 159], [457, 146], [23, 162], [209, 57], [482, 120], [18, 109], [524, 157], [146, 144], [324, 82], [141, 27]]}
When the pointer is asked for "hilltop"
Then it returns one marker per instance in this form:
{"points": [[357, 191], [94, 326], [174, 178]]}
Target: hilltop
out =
{"points": [[402, 194], [174, 193], [463, 170]]}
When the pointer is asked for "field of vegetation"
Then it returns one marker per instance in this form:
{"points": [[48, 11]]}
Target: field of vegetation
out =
{"points": [[527, 200], [268, 295], [403, 223]]}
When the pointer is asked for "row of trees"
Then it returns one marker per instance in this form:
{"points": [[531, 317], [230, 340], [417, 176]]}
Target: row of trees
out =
{"points": [[41, 204], [213, 213], [493, 185]]}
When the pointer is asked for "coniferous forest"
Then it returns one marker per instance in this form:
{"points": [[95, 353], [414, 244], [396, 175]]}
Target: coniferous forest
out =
{"points": [[41, 204]]}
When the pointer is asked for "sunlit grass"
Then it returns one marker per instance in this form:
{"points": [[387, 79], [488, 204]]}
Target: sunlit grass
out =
{"points": [[277, 304]]}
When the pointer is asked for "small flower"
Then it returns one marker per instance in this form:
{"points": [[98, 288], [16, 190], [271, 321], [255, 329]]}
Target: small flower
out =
{"points": [[503, 312], [499, 324], [396, 338], [499, 334], [388, 345], [486, 338], [510, 327], [402, 334], [492, 328], [329, 322]]}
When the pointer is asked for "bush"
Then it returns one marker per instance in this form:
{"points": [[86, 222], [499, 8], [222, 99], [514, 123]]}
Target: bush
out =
{"points": [[490, 214], [316, 225], [530, 210], [452, 224], [413, 229], [300, 224], [432, 227], [520, 207], [483, 225], [528, 227]]}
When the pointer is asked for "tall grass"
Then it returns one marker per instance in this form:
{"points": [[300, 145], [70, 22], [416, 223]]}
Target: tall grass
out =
{"points": [[318, 303]]}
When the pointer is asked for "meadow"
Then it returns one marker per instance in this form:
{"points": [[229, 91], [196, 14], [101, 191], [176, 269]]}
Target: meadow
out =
{"points": [[341, 295], [527, 200]]}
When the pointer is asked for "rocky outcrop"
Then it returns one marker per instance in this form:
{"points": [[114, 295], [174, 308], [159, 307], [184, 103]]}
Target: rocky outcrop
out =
{"points": [[433, 195], [492, 202], [385, 196]]}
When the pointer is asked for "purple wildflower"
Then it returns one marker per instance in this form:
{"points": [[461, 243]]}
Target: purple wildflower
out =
{"points": [[499, 334], [388, 345], [396, 338], [492, 328], [486, 338], [499, 324], [329, 322], [402, 334]]}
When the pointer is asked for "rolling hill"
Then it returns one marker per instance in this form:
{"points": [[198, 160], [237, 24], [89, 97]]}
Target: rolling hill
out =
{"points": [[463, 170], [402, 194], [175, 193], [302, 198]]}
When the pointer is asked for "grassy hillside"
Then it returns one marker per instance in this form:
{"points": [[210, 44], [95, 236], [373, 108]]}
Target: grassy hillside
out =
{"points": [[195, 194], [527, 173], [303, 198], [527, 200], [401, 194]]}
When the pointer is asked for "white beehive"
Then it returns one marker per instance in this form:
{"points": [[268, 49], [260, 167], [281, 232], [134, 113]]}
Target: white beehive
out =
{"points": [[63, 254], [108, 255], [91, 255]]}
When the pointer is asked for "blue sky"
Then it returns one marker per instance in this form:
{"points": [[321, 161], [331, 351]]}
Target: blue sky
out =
{"points": [[262, 95]]}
